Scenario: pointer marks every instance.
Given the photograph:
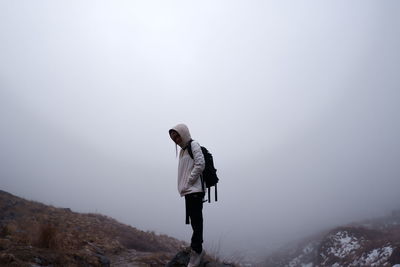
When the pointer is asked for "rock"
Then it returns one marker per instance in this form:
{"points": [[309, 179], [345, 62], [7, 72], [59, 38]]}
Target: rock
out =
{"points": [[182, 259], [395, 257], [105, 262], [4, 244], [38, 261], [6, 258]]}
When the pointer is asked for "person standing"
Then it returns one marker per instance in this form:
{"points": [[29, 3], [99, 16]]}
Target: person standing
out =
{"points": [[191, 187]]}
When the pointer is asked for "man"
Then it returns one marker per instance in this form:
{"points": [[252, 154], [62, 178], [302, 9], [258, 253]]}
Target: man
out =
{"points": [[191, 187]]}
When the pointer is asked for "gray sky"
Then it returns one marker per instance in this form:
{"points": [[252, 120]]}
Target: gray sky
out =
{"points": [[297, 100]]}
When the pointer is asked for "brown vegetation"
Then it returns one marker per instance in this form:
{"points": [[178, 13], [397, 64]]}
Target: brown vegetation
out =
{"points": [[34, 233]]}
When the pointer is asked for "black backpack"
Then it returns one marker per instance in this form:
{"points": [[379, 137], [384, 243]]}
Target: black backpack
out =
{"points": [[209, 175]]}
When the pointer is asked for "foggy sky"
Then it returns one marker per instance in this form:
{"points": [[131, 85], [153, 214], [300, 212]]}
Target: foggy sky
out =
{"points": [[297, 101]]}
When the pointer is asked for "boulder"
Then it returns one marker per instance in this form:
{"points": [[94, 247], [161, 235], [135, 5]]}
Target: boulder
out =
{"points": [[182, 258]]}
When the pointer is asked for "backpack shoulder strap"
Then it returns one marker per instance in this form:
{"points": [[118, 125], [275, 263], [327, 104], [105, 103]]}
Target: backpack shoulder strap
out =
{"points": [[189, 148]]}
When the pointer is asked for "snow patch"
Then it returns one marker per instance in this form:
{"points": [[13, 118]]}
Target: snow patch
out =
{"points": [[343, 244], [295, 262], [375, 257], [308, 249], [304, 256]]}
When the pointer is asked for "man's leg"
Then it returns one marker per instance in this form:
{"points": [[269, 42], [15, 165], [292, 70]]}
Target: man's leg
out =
{"points": [[196, 220]]}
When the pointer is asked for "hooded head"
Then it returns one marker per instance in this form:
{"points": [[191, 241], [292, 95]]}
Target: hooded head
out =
{"points": [[183, 132]]}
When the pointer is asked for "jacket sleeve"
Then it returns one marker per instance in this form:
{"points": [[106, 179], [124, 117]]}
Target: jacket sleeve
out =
{"points": [[199, 162]]}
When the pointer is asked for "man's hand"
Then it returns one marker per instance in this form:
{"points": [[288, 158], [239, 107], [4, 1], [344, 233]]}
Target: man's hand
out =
{"points": [[191, 181]]}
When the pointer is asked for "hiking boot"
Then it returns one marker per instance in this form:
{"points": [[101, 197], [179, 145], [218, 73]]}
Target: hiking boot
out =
{"points": [[195, 258]]}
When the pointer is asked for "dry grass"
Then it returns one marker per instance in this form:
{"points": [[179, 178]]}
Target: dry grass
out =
{"points": [[47, 237], [5, 231], [70, 236]]}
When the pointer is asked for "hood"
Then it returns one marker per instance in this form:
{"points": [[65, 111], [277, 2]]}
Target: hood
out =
{"points": [[183, 131]]}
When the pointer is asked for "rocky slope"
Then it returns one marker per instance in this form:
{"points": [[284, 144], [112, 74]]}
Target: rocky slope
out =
{"points": [[34, 234], [369, 243]]}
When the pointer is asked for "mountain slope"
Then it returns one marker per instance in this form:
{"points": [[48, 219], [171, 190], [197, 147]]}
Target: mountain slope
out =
{"points": [[369, 243], [34, 233]]}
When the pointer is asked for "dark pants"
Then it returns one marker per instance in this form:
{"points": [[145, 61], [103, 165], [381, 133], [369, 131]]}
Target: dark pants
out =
{"points": [[194, 212]]}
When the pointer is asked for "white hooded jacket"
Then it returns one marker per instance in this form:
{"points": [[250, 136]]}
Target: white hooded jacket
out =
{"points": [[189, 170]]}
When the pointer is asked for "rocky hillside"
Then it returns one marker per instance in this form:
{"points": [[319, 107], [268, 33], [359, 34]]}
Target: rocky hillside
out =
{"points": [[34, 234], [369, 243]]}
